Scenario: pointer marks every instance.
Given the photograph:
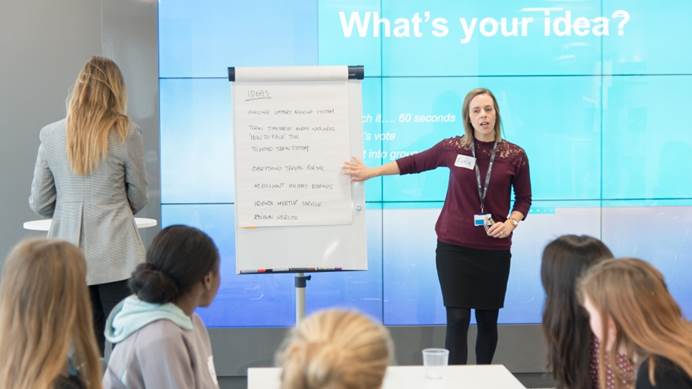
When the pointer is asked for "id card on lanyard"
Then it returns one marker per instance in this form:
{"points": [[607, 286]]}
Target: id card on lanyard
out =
{"points": [[483, 219]]}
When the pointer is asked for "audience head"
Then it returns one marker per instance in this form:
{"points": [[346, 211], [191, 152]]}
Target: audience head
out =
{"points": [[632, 312], [335, 349], [565, 322], [180, 260], [45, 313], [97, 105]]}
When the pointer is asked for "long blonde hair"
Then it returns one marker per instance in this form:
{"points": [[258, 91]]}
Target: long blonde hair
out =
{"points": [[97, 106], [45, 313], [466, 115], [648, 322], [335, 349]]}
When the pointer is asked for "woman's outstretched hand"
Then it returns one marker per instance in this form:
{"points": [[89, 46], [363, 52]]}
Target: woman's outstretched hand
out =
{"points": [[357, 170]]}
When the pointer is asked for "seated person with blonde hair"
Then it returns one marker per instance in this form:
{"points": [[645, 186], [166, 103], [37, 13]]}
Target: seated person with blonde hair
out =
{"points": [[335, 349], [632, 312], [46, 331]]}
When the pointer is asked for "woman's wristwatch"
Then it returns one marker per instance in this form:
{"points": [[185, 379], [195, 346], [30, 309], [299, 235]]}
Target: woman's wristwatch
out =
{"points": [[514, 222]]}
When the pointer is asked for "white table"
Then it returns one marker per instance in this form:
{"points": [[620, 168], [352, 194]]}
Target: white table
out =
{"points": [[413, 377], [44, 224]]}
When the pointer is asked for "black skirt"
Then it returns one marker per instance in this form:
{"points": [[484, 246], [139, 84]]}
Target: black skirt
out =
{"points": [[472, 278]]}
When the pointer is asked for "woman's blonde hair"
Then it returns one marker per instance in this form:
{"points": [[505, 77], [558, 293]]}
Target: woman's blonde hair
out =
{"points": [[466, 115], [335, 349], [45, 313], [97, 106], [648, 322]]}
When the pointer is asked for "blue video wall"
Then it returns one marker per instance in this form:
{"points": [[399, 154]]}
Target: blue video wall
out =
{"points": [[596, 92]]}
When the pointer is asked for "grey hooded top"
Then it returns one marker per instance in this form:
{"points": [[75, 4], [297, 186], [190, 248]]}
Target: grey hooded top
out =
{"points": [[157, 346]]}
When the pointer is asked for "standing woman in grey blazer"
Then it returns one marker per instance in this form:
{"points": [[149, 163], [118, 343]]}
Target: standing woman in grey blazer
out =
{"points": [[89, 177]]}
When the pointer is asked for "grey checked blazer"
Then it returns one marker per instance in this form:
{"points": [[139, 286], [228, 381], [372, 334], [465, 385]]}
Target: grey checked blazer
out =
{"points": [[95, 212]]}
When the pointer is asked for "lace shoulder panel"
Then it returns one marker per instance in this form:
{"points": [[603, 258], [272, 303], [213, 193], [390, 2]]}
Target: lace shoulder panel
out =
{"points": [[508, 150], [505, 149], [454, 143]]}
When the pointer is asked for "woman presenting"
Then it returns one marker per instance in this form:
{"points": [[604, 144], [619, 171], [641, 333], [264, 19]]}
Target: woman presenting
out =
{"points": [[474, 229], [89, 177]]}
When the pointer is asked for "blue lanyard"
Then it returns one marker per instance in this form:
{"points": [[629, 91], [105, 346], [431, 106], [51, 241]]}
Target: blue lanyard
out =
{"points": [[483, 190]]}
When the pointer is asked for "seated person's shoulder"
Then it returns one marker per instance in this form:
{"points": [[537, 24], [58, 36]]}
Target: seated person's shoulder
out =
{"points": [[65, 382], [159, 331], [666, 373]]}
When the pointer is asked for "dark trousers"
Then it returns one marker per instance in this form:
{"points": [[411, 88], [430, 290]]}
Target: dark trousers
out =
{"points": [[457, 329], [104, 297]]}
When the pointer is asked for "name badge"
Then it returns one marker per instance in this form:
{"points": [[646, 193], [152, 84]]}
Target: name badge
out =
{"points": [[465, 161], [485, 219]]}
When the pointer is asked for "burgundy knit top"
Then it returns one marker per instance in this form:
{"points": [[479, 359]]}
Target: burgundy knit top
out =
{"points": [[510, 170]]}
